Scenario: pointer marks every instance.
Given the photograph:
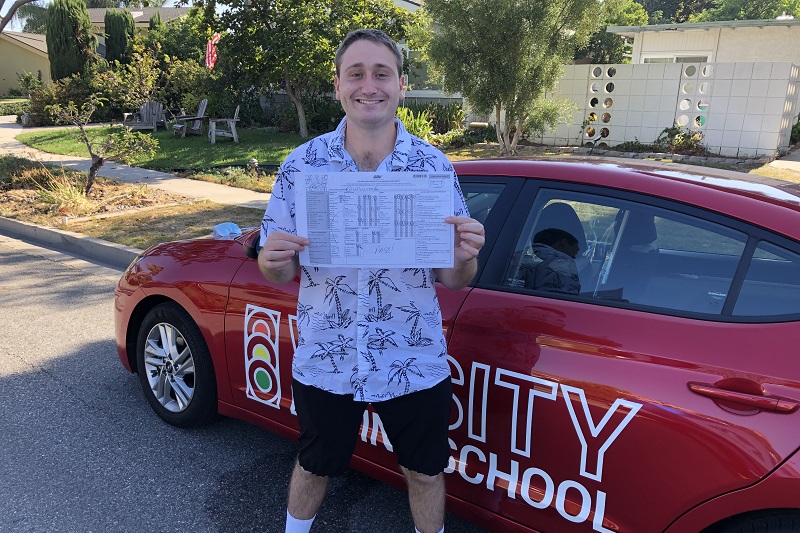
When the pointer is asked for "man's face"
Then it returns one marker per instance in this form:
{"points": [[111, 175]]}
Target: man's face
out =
{"points": [[368, 85], [570, 249]]}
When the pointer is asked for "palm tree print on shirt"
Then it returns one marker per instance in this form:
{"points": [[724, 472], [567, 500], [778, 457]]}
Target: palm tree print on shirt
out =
{"points": [[311, 283], [358, 384], [414, 272], [400, 372], [376, 279], [415, 338], [334, 286], [379, 340], [331, 349], [373, 367]]}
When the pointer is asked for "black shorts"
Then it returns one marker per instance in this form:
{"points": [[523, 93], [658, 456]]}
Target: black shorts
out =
{"points": [[415, 423]]}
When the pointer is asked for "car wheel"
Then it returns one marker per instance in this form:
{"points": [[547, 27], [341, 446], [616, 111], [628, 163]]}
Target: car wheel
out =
{"points": [[767, 522], [175, 367]]}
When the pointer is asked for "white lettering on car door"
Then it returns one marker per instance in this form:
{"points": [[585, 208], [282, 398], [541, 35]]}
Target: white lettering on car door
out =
{"points": [[594, 445]]}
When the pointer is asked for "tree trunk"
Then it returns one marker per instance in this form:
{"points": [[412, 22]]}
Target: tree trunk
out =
{"points": [[298, 105], [97, 162], [517, 136], [500, 139]]}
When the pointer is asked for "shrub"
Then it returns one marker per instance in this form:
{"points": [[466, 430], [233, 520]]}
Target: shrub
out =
{"points": [[461, 137], [13, 108], [444, 117], [637, 146], [71, 89], [418, 124], [324, 114], [679, 140], [795, 135], [28, 81]]}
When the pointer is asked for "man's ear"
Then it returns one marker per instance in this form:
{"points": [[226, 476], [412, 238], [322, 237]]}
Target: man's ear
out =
{"points": [[336, 86], [402, 87]]}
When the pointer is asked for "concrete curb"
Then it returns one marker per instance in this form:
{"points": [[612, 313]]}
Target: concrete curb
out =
{"points": [[108, 253]]}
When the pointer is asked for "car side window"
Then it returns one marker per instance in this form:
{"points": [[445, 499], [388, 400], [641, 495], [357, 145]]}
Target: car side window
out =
{"points": [[480, 198], [771, 286], [608, 249]]}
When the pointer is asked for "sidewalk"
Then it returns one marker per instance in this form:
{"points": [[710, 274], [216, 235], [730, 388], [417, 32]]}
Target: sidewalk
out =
{"points": [[120, 256], [95, 250], [215, 192]]}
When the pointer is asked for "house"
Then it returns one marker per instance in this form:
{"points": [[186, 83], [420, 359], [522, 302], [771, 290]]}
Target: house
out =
{"points": [[22, 52], [736, 82], [141, 20], [28, 51]]}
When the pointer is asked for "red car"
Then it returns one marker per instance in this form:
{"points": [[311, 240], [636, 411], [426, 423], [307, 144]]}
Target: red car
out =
{"points": [[658, 393]]}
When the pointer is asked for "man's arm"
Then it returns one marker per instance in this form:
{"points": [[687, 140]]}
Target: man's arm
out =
{"points": [[469, 239], [277, 260]]}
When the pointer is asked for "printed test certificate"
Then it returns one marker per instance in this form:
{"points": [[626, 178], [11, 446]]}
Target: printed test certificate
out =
{"points": [[375, 219]]}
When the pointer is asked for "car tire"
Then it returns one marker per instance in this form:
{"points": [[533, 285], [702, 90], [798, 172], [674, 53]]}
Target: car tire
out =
{"points": [[766, 522], [175, 367]]}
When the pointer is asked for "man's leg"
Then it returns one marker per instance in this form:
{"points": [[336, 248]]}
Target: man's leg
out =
{"points": [[328, 433], [306, 492], [426, 496], [417, 425]]}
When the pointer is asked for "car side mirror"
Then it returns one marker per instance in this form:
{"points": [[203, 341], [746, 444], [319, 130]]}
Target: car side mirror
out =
{"points": [[251, 250]]}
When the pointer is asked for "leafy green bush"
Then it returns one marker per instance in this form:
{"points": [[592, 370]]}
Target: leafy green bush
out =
{"points": [[795, 135], [637, 146], [461, 137], [679, 140], [444, 117], [28, 81], [13, 108], [324, 114], [418, 123]]}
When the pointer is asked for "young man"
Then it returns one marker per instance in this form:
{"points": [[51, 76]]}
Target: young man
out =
{"points": [[554, 268], [397, 365]]}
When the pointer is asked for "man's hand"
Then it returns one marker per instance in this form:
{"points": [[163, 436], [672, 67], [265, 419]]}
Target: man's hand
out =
{"points": [[469, 239], [277, 259]]}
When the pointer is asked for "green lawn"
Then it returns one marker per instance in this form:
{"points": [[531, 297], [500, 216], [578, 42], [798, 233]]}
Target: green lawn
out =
{"points": [[12, 100], [193, 152]]}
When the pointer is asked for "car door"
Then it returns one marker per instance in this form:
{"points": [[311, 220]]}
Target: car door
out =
{"points": [[623, 404], [261, 329]]}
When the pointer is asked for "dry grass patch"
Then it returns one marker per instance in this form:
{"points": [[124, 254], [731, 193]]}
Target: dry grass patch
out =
{"points": [[778, 173], [148, 227]]}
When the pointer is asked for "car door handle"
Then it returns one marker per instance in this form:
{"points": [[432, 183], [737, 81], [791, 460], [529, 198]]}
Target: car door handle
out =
{"points": [[774, 404]]}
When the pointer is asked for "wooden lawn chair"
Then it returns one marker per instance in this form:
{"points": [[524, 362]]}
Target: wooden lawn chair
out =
{"points": [[191, 123], [228, 129], [150, 114]]}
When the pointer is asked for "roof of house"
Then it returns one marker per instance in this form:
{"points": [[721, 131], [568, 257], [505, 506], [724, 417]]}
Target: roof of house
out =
{"points": [[141, 15], [629, 31], [36, 41]]}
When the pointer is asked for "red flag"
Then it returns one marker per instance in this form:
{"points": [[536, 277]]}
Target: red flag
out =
{"points": [[211, 51]]}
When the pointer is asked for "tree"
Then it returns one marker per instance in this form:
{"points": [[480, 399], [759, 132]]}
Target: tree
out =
{"points": [[119, 35], [70, 43], [604, 47], [748, 10], [115, 146], [673, 11], [290, 44], [13, 7], [33, 17], [505, 55]]}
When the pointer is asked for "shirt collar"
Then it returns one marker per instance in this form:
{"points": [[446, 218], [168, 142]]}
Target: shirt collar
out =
{"points": [[398, 158]]}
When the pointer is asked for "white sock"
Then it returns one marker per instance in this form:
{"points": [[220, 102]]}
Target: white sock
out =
{"points": [[293, 525], [418, 531]]}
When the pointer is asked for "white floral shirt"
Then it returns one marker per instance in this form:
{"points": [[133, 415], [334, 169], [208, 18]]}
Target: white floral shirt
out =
{"points": [[373, 333]]}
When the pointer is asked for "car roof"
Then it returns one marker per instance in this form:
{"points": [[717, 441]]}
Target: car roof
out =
{"points": [[771, 203]]}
